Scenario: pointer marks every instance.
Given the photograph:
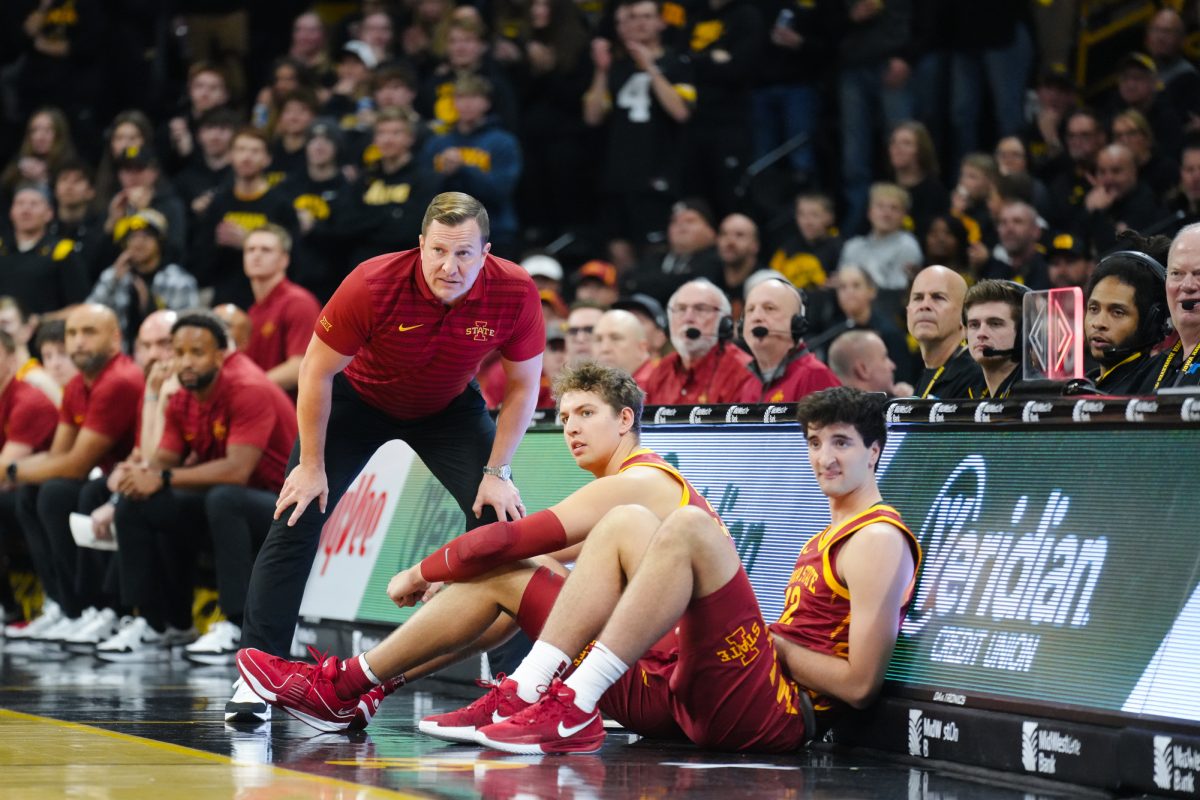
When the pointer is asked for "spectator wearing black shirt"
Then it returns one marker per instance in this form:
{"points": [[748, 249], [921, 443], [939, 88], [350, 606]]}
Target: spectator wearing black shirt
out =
{"points": [[873, 78], [1165, 36], [725, 46], [1138, 88], [1186, 195], [787, 100], [210, 167], [1069, 261], [811, 252], [61, 61], [36, 267], [1019, 256], [690, 253], [323, 200], [394, 192], [466, 54], [207, 90], [76, 217], [236, 209], [560, 170], [1118, 200], [297, 110], [1085, 137], [646, 96], [1160, 173], [1057, 96], [142, 186], [737, 250], [914, 168]]}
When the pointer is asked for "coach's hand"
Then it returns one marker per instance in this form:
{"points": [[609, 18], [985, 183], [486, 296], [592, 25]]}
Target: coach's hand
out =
{"points": [[302, 485], [407, 587], [502, 496]]}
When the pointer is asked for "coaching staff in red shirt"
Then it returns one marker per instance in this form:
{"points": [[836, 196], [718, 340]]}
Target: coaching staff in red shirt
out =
{"points": [[393, 356]]}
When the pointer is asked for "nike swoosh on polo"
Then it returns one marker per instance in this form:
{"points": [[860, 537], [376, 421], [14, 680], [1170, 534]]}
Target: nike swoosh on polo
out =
{"points": [[404, 328], [566, 732]]}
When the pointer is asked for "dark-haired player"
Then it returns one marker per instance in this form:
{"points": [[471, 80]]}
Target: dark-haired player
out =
{"points": [[600, 408], [731, 682], [1125, 313]]}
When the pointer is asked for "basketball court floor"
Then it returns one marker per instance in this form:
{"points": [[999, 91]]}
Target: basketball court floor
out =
{"points": [[78, 728]]}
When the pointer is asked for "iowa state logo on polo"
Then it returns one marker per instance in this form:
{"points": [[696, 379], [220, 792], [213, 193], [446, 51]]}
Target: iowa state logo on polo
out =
{"points": [[480, 331]]}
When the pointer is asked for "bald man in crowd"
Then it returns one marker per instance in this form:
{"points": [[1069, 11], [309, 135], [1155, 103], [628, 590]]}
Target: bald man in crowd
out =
{"points": [[935, 307], [859, 358], [238, 323], [96, 428], [783, 370], [619, 340]]}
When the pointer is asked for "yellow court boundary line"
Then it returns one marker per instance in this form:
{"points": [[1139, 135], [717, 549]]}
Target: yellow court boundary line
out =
{"points": [[203, 755]]}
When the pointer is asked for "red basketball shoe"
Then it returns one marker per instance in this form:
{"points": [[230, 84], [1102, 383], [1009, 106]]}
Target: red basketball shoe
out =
{"points": [[303, 690], [554, 724], [500, 703], [368, 704]]}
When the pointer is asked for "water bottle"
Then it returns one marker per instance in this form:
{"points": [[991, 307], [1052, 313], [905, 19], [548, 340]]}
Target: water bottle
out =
{"points": [[366, 104]]}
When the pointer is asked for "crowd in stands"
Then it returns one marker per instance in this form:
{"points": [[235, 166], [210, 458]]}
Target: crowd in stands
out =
{"points": [[736, 202]]}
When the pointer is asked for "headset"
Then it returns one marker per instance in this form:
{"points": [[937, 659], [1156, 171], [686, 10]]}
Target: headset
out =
{"points": [[1157, 323], [1013, 352], [797, 326]]}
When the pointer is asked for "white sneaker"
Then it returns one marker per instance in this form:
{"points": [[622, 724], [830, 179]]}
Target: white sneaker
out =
{"points": [[218, 646], [63, 628], [51, 615], [101, 626], [135, 640], [245, 706]]}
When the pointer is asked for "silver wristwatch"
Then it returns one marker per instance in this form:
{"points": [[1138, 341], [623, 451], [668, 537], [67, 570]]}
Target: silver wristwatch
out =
{"points": [[503, 472]]}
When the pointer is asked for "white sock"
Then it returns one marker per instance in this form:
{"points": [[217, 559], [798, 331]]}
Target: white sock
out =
{"points": [[366, 668], [544, 663], [600, 670]]}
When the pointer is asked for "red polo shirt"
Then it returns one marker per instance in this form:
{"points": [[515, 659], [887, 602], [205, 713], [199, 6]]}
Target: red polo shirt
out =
{"points": [[718, 377], [281, 324], [803, 375], [27, 416], [413, 354], [245, 407], [110, 406], [641, 375]]}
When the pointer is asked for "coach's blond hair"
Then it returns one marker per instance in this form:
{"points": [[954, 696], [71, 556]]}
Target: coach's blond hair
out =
{"points": [[455, 208]]}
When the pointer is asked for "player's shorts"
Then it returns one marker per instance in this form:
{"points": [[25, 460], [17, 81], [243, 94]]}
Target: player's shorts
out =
{"points": [[728, 690], [717, 682], [639, 701]]}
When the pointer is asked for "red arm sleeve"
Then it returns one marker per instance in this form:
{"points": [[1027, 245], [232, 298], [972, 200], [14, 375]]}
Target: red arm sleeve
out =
{"points": [[345, 322], [491, 546]]}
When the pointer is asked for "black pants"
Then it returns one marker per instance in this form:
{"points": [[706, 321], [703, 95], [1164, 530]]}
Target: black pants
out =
{"points": [[454, 444], [74, 578], [161, 535], [9, 527]]}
